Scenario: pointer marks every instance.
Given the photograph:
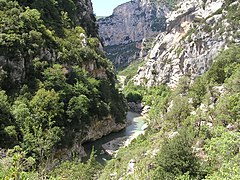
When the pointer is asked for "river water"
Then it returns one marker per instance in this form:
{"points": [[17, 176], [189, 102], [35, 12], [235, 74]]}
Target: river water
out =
{"points": [[137, 123]]}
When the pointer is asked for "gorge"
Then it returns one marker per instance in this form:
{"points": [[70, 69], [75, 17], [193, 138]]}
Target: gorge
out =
{"points": [[69, 81], [122, 33]]}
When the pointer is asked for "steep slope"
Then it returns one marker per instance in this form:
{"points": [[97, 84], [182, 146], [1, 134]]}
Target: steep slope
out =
{"points": [[193, 129], [196, 32], [53, 12], [191, 81], [130, 23], [56, 88]]}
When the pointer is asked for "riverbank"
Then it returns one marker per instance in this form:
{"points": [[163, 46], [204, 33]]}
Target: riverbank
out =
{"points": [[112, 146], [108, 145]]}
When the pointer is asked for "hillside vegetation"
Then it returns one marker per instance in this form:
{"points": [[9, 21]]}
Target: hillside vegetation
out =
{"points": [[55, 84], [194, 129]]}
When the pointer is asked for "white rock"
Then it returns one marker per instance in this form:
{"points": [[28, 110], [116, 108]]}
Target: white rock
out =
{"points": [[172, 58]]}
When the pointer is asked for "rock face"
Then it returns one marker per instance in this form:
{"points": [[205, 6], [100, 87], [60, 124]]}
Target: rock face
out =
{"points": [[135, 107], [122, 55], [94, 131], [129, 24], [101, 128], [85, 16], [196, 32]]}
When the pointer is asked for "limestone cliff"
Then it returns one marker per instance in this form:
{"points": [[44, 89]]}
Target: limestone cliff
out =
{"points": [[129, 24], [196, 32], [96, 130]]}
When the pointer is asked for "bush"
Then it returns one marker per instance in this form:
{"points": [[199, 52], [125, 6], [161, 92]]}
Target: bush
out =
{"points": [[176, 158], [134, 96], [77, 170], [197, 91], [224, 66]]}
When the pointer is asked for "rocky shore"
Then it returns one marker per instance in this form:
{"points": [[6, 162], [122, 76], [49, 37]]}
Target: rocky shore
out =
{"points": [[112, 146]]}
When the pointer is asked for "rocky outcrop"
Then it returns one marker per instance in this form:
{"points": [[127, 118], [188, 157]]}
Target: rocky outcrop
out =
{"points": [[94, 131], [101, 128], [196, 32], [122, 55], [3, 153], [135, 107], [130, 23], [85, 17]]}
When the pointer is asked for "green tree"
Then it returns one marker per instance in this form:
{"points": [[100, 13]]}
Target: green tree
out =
{"points": [[37, 121], [229, 170], [77, 170], [179, 111], [176, 158], [183, 86], [23, 35], [7, 129], [222, 148], [16, 165], [55, 78], [78, 111], [233, 83], [197, 91], [134, 96], [228, 108], [224, 66]]}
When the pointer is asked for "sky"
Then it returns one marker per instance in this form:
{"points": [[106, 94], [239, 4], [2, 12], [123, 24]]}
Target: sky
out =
{"points": [[105, 7]]}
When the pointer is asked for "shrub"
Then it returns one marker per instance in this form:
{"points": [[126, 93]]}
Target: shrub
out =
{"points": [[176, 158], [134, 96]]}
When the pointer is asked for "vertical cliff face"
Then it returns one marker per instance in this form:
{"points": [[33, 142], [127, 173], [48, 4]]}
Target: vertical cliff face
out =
{"points": [[186, 38], [196, 32], [130, 23]]}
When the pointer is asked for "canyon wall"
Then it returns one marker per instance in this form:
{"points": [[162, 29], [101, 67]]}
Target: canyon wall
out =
{"points": [[196, 32], [122, 33]]}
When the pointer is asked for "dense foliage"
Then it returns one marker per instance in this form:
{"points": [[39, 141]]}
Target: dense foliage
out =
{"points": [[59, 13], [55, 83]]}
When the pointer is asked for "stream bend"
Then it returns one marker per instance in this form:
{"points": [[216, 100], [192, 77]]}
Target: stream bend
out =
{"points": [[136, 126]]}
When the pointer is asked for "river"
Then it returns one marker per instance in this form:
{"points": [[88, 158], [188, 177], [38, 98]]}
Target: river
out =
{"points": [[136, 125]]}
